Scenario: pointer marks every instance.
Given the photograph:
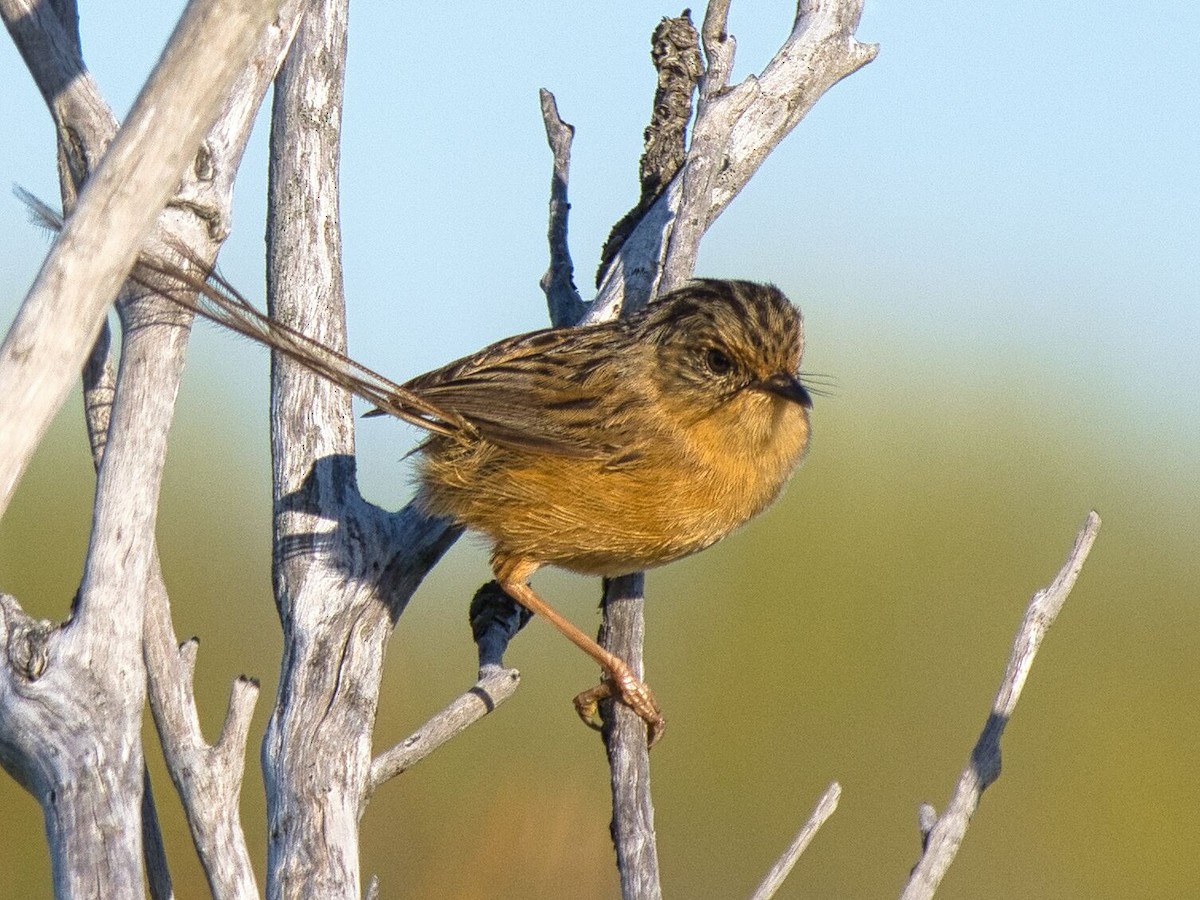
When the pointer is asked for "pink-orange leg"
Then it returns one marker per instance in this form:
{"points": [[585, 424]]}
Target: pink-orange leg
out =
{"points": [[619, 679]]}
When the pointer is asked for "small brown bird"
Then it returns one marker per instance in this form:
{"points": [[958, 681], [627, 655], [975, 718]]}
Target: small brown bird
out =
{"points": [[612, 448], [604, 449]]}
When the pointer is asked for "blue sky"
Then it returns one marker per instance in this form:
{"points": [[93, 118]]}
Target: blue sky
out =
{"points": [[1007, 191]]}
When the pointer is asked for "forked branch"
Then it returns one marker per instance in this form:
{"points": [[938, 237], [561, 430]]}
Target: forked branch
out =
{"points": [[736, 129]]}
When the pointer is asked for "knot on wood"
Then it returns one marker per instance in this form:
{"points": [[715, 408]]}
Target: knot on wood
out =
{"points": [[26, 640]]}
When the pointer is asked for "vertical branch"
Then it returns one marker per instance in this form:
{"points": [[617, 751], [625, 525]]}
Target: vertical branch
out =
{"points": [[312, 805], [99, 392], [558, 283], [208, 777], [676, 57], [622, 632], [343, 569], [654, 249]]}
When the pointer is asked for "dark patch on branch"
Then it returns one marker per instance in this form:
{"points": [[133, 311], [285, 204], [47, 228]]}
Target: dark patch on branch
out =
{"points": [[675, 50]]}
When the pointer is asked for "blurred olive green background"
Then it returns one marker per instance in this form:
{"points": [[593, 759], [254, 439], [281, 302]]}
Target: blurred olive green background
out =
{"points": [[991, 231], [856, 632]]}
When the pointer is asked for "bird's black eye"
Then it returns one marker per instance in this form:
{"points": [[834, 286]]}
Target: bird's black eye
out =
{"points": [[718, 361]]}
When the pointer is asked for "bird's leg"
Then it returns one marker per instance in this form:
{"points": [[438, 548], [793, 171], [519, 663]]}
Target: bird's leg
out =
{"points": [[512, 574]]}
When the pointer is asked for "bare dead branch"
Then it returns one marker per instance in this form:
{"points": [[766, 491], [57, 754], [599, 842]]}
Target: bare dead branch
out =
{"points": [[495, 620], [719, 47], [675, 51], [61, 315], [779, 872], [207, 777], [495, 685], [622, 631], [946, 835], [105, 635], [344, 569], [86, 775], [741, 126], [625, 738], [735, 129], [49, 46], [558, 283]]}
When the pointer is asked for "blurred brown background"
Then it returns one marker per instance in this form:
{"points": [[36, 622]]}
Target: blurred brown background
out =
{"points": [[856, 632]]}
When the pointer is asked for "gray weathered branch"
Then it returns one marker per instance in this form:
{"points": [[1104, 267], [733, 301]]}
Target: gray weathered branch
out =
{"points": [[344, 569], [208, 777], [779, 872], [495, 620], [61, 315], [736, 128], [90, 694], [558, 283], [495, 685], [622, 631], [942, 838]]}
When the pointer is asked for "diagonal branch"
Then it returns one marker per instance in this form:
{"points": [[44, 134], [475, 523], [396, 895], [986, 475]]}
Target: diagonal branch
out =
{"points": [[826, 806], [61, 315], [943, 837], [495, 685], [495, 620]]}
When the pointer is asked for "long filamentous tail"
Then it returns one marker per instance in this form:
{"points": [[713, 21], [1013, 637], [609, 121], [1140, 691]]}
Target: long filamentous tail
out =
{"points": [[197, 287]]}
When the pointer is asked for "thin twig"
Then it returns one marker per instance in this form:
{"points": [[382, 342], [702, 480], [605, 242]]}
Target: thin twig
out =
{"points": [[558, 284], [495, 620], [779, 872], [495, 685], [944, 838]]}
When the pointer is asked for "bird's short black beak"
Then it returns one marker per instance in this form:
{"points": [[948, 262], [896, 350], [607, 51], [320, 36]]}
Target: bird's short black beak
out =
{"points": [[788, 387]]}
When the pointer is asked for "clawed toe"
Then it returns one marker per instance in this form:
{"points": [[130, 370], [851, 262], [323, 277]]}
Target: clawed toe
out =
{"points": [[633, 693]]}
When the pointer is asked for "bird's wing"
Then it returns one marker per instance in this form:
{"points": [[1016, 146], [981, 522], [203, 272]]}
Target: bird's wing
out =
{"points": [[546, 391]]}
